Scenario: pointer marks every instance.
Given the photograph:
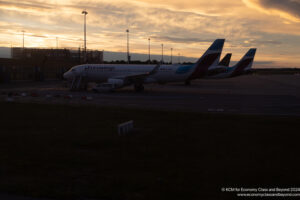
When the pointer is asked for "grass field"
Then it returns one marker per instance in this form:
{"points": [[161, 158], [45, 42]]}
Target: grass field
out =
{"points": [[72, 152]]}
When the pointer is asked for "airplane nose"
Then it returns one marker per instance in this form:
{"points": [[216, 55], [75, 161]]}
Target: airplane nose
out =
{"points": [[67, 75]]}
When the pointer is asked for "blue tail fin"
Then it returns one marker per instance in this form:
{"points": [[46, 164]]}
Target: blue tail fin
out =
{"points": [[226, 60], [244, 63], [210, 57]]}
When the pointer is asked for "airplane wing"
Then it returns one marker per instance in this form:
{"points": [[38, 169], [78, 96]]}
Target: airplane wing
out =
{"points": [[138, 78]]}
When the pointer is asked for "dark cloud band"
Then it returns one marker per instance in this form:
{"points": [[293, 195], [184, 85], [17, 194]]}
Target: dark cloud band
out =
{"points": [[291, 7]]}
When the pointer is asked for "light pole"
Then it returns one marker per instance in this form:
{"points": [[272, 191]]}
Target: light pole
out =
{"points": [[23, 38], [179, 58], [85, 13], [56, 42], [171, 56], [149, 50], [162, 53], [128, 55]]}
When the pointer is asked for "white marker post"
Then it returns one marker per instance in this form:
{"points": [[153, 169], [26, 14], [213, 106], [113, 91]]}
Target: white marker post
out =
{"points": [[125, 128]]}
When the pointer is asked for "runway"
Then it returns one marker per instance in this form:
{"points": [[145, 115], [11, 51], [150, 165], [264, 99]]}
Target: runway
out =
{"points": [[250, 94]]}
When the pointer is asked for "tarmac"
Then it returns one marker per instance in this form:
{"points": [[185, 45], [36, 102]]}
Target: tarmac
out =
{"points": [[248, 94]]}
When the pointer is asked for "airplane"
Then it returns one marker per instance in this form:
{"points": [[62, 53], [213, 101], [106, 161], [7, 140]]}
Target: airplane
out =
{"points": [[113, 76], [212, 58], [226, 60], [248, 69], [221, 67], [187, 73], [238, 69]]}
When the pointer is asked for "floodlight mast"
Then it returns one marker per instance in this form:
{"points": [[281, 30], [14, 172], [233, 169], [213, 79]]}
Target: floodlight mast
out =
{"points": [[23, 38], [171, 55], [162, 53], [84, 13], [149, 50], [128, 55]]}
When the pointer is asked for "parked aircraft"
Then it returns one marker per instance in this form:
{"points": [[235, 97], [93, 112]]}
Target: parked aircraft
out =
{"points": [[226, 60], [113, 76], [221, 67], [238, 69]]}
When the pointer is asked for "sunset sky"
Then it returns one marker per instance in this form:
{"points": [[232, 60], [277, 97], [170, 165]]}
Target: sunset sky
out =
{"points": [[272, 26]]}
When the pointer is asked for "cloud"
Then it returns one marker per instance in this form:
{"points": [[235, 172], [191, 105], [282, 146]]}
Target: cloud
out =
{"points": [[288, 9], [184, 40], [27, 4], [261, 43], [204, 7], [188, 27]]}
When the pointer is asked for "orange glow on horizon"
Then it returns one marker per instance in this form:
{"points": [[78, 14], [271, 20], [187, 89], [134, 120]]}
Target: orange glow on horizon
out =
{"points": [[187, 27]]}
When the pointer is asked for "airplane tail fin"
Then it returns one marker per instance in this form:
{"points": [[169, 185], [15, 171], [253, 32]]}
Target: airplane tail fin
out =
{"points": [[226, 60], [210, 57], [245, 62], [155, 69], [251, 63]]}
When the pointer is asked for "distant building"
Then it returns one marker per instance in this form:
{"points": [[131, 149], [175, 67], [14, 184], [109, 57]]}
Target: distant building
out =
{"points": [[20, 53], [40, 64], [92, 56]]}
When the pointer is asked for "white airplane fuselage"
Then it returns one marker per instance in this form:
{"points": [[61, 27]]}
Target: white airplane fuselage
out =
{"points": [[127, 74], [102, 72]]}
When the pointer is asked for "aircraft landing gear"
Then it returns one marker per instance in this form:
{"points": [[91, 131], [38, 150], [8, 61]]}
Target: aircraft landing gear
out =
{"points": [[139, 87], [187, 82]]}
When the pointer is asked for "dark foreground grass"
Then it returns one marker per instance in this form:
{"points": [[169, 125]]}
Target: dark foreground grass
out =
{"points": [[74, 152]]}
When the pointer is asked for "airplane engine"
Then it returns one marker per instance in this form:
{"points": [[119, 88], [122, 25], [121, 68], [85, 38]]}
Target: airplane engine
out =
{"points": [[149, 80], [116, 82]]}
